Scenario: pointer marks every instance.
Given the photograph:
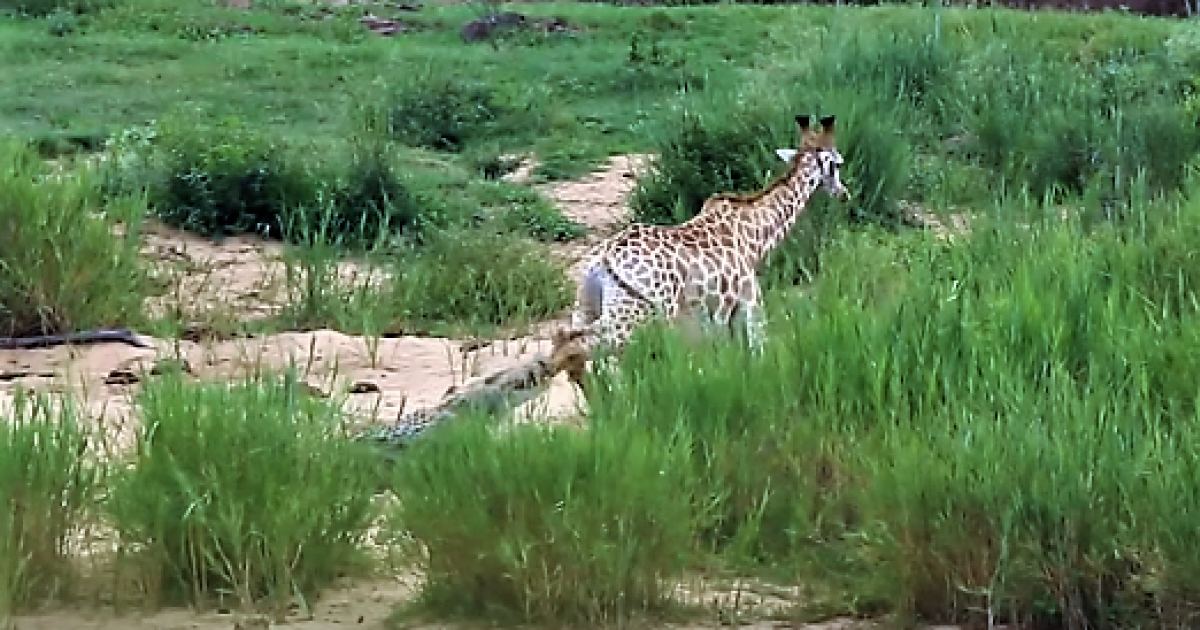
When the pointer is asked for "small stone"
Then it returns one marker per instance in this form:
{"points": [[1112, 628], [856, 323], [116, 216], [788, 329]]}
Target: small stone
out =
{"points": [[364, 387], [121, 377]]}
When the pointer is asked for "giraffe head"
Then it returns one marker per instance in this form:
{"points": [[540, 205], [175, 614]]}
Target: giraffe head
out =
{"points": [[826, 159]]}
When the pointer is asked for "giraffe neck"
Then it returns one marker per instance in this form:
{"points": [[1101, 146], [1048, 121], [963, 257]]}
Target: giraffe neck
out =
{"points": [[763, 221]]}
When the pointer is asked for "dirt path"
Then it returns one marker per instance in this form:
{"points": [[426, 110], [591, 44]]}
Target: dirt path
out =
{"points": [[598, 200]]}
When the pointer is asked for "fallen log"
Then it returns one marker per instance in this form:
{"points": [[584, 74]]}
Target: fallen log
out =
{"points": [[116, 335]]}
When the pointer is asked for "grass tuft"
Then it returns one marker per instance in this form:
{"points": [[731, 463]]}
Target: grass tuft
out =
{"points": [[559, 526], [478, 279], [445, 113], [68, 261], [247, 493], [47, 490], [231, 178]]}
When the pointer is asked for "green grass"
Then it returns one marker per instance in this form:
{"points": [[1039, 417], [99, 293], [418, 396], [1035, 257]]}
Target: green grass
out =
{"points": [[940, 430], [937, 431], [46, 495], [68, 259], [460, 282], [479, 280], [560, 526], [246, 494]]}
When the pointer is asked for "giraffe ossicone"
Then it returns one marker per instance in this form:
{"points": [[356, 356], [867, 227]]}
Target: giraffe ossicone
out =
{"points": [[705, 268]]}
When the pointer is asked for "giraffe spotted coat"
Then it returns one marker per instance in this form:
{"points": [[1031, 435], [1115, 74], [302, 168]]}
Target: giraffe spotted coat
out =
{"points": [[704, 268]]}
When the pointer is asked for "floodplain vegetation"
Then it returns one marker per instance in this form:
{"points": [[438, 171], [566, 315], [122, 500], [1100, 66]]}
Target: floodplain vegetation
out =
{"points": [[995, 423]]}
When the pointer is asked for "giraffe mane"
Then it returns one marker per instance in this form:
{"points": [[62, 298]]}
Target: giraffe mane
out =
{"points": [[777, 182]]}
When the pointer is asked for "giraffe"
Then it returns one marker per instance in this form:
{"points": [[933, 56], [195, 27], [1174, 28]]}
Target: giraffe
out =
{"points": [[706, 267]]}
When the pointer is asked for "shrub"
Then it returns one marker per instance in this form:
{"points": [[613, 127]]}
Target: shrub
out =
{"points": [[479, 279], [558, 527], [247, 490], [877, 165], [57, 144], [226, 179], [63, 267], [543, 221], [1160, 142], [492, 163], [229, 179], [704, 154], [369, 203], [444, 113], [46, 490], [43, 8]]}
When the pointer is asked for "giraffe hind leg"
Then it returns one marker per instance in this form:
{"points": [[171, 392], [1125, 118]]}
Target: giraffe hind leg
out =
{"points": [[749, 314], [754, 326]]}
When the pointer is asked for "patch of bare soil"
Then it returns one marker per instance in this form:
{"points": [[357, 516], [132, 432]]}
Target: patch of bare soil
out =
{"points": [[392, 372], [357, 604]]}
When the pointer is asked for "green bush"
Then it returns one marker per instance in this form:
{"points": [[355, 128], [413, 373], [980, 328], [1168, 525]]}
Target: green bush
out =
{"points": [[229, 179], [43, 8], [368, 204], [878, 163], [543, 221], [478, 278], [704, 154], [444, 113], [46, 492], [558, 527], [57, 144], [248, 491], [226, 179], [63, 266]]}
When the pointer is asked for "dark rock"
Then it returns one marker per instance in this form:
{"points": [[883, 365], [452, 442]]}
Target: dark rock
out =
{"points": [[382, 26], [489, 25]]}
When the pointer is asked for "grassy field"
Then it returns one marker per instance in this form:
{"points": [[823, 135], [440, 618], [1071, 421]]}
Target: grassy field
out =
{"points": [[995, 427]]}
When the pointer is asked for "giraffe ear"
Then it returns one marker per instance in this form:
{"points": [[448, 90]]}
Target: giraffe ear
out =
{"points": [[808, 135], [787, 155], [827, 131]]}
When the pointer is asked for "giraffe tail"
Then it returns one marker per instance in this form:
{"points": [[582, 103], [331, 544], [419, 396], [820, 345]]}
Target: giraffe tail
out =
{"points": [[590, 297]]}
